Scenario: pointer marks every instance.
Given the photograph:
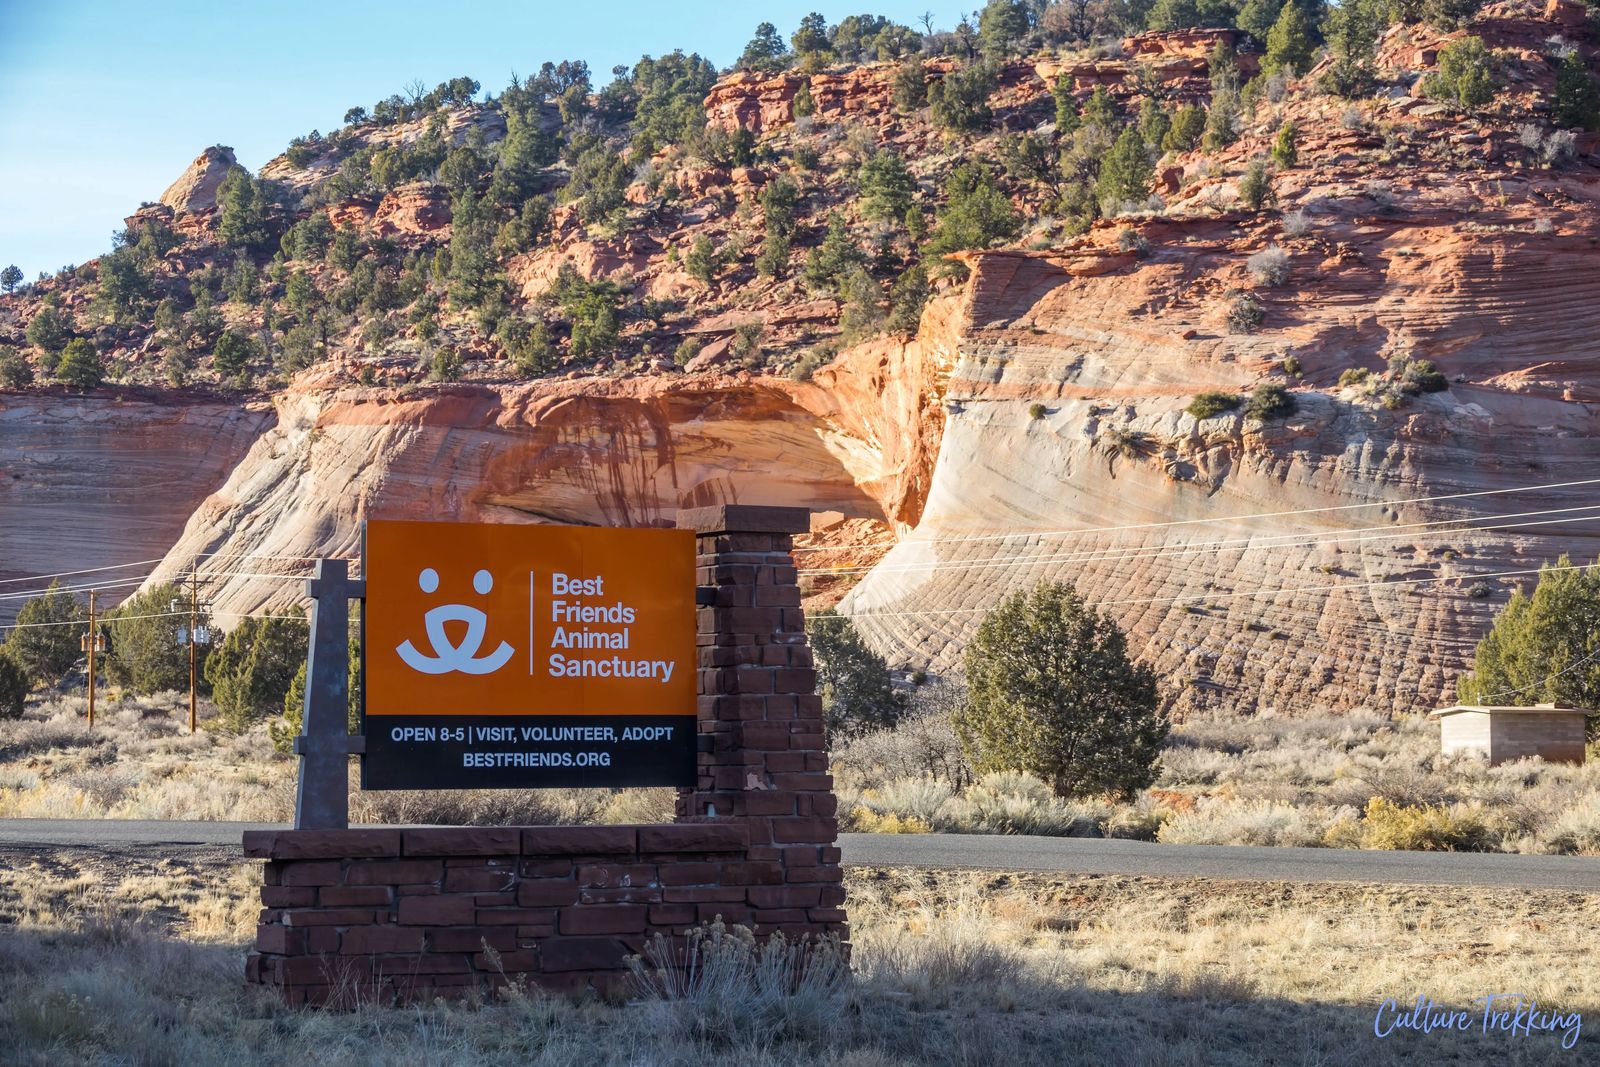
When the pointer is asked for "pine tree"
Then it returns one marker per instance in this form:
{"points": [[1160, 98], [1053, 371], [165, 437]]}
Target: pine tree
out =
{"points": [[1285, 150], [1067, 118], [975, 214], [44, 641], [1577, 95], [858, 695], [1002, 24], [1188, 126], [251, 670], [1463, 74], [885, 185], [765, 50], [1290, 46], [1125, 174], [242, 222], [1101, 109], [80, 365], [1256, 17], [1255, 188], [1154, 122], [1543, 647], [10, 278], [1222, 120], [1051, 690], [811, 36]]}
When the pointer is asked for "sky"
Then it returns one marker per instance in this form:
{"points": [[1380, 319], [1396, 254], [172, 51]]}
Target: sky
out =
{"points": [[103, 104]]}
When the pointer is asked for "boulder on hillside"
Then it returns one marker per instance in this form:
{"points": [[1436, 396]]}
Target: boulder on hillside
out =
{"points": [[195, 191]]}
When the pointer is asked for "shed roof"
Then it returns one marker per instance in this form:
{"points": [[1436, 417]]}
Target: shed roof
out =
{"points": [[1512, 709]]}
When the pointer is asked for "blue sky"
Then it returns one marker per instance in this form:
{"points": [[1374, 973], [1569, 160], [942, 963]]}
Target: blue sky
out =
{"points": [[102, 104]]}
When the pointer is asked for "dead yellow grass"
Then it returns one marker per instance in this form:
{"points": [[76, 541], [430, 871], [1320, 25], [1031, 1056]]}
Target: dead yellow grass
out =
{"points": [[136, 958]]}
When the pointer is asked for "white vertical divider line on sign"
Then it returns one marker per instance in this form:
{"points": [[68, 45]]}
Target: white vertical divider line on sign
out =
{"points": [[531, 582]]}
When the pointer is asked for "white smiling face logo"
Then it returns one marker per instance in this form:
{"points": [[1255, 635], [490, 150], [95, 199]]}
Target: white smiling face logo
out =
{"points": [[448, 657]]}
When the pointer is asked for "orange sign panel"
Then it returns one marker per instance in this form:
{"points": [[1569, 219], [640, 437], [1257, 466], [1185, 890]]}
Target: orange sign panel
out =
{"points": [[496, 632]]}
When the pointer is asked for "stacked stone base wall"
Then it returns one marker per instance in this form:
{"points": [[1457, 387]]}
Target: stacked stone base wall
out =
{"points": [[398, 915]]}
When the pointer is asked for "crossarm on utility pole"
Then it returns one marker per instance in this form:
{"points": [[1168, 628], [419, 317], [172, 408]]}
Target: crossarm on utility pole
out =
{"points": [[324, 745]]}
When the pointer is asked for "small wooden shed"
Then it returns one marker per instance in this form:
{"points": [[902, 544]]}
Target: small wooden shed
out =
{"points": [[1503, 732]]}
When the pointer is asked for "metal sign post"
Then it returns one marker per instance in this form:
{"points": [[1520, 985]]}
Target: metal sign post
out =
{"points": [[322, 801]]}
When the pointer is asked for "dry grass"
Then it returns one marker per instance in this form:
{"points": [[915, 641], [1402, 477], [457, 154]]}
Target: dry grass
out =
{"points": [[112, 959], [140, 762], [1263, 781]]}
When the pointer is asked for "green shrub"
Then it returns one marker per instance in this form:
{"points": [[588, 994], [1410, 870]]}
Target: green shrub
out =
{"points": [[145, 653], [702, 261], [910, 85], [446, 365], [1212, 403], [1577, 94], [15, 371], [1421, 376], [233, 355], [1188, 126], [283, 731], [1222, 120], [1353, 376], [907, 297], [13, 686], [857, 693], [1285, 149], [975, 214], [1036, 411], [687, 349], [1125, 174], [747, 339], [960, 100], [1255, 187], [1463, 77], [527, 345], [45, 642], [251, 670], [885, 185], [1270, 401], [1542, 646], [830, 262], [1245, 313], [49, 329], [1051, 690], [80, 365]]}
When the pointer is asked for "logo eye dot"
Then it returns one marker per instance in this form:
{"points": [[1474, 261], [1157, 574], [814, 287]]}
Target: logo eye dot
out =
{"points": [[428, 580], [483, 581]]}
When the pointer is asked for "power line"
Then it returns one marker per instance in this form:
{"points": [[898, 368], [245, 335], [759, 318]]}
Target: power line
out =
{"points": [[158, 559], [1548, 678], [110, 619], [1214, 519]]}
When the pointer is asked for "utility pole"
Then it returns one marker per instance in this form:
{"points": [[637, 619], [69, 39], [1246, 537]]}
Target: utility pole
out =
{"points": [[92, 640], [194, 611]]}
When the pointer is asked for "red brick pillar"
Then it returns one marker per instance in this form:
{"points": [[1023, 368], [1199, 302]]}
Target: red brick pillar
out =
{"points": [[763, 758]]}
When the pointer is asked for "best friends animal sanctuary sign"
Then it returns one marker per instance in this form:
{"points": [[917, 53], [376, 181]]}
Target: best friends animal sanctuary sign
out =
{"points": [[527, 656]]}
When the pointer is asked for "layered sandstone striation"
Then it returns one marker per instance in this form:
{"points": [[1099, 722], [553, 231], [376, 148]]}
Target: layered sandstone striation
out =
{"points": [[1264, 566], [86, 482], [631, 453]]}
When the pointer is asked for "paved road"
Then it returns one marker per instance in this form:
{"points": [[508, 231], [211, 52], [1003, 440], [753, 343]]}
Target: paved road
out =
{"points": [[1072, 855]]}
